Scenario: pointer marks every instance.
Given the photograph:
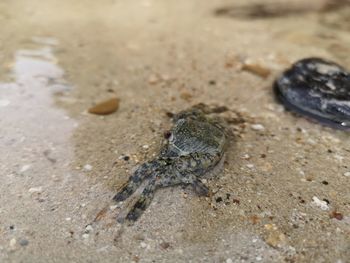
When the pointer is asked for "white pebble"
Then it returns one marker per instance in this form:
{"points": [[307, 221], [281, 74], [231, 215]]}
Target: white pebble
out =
{"points": [[37, 190], [347, 174], [4, 103], [68, 219], [85, 236], [258, 258], [13, 242], [250, 166], [146, 147], [321, 204], [143, 244], [87, 167], [24, 168], [257, 127], [229, 260], [246, 156], [339, 157], [112, 207], [89, 228]]}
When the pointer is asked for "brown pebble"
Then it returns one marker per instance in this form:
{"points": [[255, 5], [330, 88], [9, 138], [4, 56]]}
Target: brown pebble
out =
{"points": [[186, 96], [337, 215], [255, 219], [164, 245], [153, 79], [236, 201], [256, 69], [106, 107]]}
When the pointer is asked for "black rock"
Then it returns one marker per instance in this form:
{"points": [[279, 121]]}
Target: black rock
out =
{"points": [[317, 89]]}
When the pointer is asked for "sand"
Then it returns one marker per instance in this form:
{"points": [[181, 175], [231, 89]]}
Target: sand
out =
{"points": [[283, 194]]}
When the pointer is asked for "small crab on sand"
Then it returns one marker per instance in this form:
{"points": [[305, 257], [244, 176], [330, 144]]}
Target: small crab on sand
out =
{"points": [[195, 146]]}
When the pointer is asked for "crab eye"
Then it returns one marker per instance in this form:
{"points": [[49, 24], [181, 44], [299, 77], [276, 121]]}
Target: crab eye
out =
{"points": [[167, 135]]}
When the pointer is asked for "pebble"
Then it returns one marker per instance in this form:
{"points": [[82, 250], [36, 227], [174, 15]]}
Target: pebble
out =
{"points": [[347, 174], [250, 166], [246, 156], [275, 237], [256, 69], [229, 260], [88, 229], [37, 190], [4, 103], [24, 168], [105, 107], [87, 167], [186, 96], [146, 147], [143, 244], [153, 79], [339, 157], [13, 243], [113, 207], [321, 204], [257, 127], [85, 236], [23, 242]]}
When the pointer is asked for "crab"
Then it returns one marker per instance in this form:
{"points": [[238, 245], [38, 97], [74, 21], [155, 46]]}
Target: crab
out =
{"points": [[194, 147]]}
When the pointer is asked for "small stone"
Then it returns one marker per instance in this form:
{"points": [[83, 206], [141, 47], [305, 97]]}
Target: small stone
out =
{"points": [[105, 107], [246, 156], [319, 203], [24, 168], [113, 207], [250, 166], [347, 174], [165, 245], [36, 190], [87, 167], [186, 96], [68, 219], [85, 236], [13, 243], [143, 244], [256, 69], [229, 260], [146, 147], [88, 229], [275, 239], [153, 79], [336, 215], [24, 242], [4, 103], [257, 127]]}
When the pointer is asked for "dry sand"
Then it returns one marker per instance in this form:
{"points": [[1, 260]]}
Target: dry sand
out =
{"points": [[283, 195]]}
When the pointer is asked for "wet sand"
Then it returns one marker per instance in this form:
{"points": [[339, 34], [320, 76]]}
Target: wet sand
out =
{"points": [[283, 195]]}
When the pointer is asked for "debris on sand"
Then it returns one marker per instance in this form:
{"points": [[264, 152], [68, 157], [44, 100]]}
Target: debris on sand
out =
{"points": [[185, 95], [105, 107], [336, 215], [256, 69], [320, 203]]}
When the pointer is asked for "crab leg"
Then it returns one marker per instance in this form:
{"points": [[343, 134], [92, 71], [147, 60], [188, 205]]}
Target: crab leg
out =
{"points": [[157, 181], [143, 202], [135, 181], [200, 188]]}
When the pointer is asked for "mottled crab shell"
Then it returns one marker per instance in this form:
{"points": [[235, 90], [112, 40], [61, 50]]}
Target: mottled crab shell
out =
{"points": [[317, 89]]}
